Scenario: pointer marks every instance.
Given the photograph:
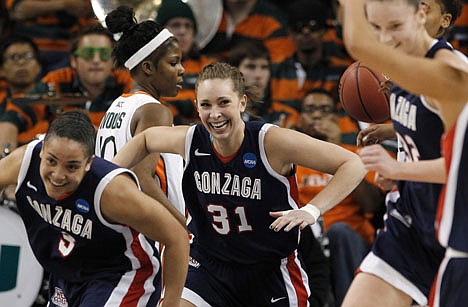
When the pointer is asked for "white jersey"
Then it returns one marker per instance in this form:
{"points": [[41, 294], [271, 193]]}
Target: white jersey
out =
{"points": [[115, 131]]}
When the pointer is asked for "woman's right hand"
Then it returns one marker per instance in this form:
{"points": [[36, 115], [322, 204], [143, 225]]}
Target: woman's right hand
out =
{"points": [[375, 134]]}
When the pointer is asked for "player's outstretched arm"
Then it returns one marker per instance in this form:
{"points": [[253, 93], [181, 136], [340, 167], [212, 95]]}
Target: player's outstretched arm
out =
{"points": [[122, 202], [376, 158], [154, 139], [285, 148], [10, 167], [447, 76]]}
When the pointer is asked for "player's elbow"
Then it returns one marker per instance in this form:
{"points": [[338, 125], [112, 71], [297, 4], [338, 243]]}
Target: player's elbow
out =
{"points": [[178, 239], [355, 164]]}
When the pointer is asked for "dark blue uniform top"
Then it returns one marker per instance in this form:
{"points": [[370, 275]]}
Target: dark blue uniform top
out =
{"points": [[453, 209], [69, 237], [420, 130], [229, 199]]}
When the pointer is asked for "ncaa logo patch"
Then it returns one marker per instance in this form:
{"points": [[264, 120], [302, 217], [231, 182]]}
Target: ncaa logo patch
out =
{"points": [[59, 298], [250, 160], [82, 205]]}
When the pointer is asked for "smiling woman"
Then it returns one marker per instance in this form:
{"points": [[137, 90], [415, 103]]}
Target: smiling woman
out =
{"points": [[239, 186], [78, 210], [430, 91]]}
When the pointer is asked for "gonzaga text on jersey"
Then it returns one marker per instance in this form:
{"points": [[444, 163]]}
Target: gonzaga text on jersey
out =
{"points": [[210, 182]]}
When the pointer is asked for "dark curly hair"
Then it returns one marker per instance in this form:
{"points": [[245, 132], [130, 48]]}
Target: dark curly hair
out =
{"points": [[134, 35], [74, 125]]}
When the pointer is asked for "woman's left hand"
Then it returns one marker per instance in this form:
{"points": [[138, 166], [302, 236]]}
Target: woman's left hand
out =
{"points": [[290, 219]]}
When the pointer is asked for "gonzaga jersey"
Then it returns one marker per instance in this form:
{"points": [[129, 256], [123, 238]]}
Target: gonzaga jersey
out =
{"points": [[229, 199], [115, 131], [70, 237], [419, 129], [453, 210]]}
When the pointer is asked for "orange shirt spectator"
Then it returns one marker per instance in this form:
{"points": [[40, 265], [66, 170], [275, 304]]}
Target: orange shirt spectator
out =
{"points": [[251, 20]]}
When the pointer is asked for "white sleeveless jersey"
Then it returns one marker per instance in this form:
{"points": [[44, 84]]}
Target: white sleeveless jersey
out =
{"points": [[114, 132]]}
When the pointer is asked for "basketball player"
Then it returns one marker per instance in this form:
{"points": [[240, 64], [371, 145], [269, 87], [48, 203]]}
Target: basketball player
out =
{"points": [[87, 222], [440, 17], [393, 39], [450, 285], [240, 190], [153, 56]]}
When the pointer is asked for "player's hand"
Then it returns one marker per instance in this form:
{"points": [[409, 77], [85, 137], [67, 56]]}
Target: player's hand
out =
{"points": [[375, 134], [386, 86], [290, 219], [383, 183], [376, 158]]}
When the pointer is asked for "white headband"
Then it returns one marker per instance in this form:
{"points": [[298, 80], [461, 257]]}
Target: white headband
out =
{"points": [[147, 49]]}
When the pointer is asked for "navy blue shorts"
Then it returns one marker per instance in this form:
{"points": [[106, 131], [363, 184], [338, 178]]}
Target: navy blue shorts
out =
{"points": [[214, 283], [402, 258], [102, 293], [451, 285]]}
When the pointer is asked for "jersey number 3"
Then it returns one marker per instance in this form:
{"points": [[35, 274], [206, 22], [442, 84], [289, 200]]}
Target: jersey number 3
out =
{"points": [[221, 221]]}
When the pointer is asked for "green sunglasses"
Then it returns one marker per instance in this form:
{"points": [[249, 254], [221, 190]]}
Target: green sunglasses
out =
{"points": [[87, 53]]}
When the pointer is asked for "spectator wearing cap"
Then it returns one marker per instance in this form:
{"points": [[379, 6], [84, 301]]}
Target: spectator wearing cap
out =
{"points": [[310, 67], [247, 20], [178, 17]]}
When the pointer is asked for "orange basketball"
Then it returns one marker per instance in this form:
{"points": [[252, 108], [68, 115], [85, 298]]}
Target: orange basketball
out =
{"points": [[361, 95]]}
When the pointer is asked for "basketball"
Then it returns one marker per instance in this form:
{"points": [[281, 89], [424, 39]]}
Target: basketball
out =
{"points": [[361, 95]]}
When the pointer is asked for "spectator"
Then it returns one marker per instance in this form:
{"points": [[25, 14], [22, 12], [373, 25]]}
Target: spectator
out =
{"points": [[310, 67], [91, 73], [251, 20], [253, 61], [333, 39], [347, 225], [51, 24], [20, 67], [178, 17]]}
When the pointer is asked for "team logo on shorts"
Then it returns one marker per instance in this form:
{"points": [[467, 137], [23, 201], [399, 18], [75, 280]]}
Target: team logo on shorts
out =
{"points": [[59, 298], [193, 262], [250, 160], [82, 205]]}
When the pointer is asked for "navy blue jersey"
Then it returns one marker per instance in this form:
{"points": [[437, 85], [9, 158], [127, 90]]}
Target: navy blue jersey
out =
{"points": [[453, 209], [70, 237], [419, 129], [230, 199]]}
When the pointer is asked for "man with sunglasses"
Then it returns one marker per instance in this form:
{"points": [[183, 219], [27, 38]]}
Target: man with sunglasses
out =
{"points": [[90, 79], [91, 73], [348, 225]]}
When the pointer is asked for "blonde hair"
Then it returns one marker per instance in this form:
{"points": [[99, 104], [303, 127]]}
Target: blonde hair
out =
{"points": [[220, 70]]}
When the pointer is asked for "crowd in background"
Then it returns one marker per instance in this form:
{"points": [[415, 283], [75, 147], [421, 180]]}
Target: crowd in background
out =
{"points": [[58, 57]]}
